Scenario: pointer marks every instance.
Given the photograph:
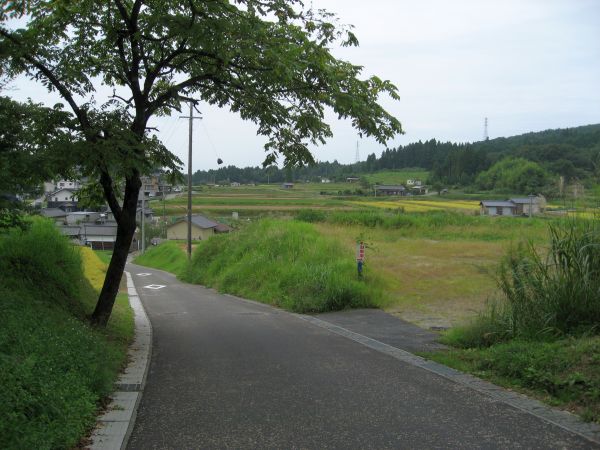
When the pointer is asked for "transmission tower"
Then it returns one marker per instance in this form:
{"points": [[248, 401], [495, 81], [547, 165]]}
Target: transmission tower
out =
{"points": [[357, 157], [486, 137]]}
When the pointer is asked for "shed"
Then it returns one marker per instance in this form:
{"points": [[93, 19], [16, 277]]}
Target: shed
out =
{"points": [[524, 204], [497, 208], [99, 237], [287, 185], [390, 189]]}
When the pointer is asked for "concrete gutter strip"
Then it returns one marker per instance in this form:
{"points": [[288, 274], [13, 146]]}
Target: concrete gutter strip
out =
{"points": [[562, 419], [114, 427]]}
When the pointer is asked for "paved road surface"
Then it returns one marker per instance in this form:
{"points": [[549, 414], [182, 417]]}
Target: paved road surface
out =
{"points": [[226, 373]]}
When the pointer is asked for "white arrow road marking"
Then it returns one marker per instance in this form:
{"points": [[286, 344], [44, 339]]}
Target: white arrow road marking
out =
{"points": [[155, 286]]}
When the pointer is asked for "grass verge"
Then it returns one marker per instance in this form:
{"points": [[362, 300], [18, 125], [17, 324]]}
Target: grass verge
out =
{"points": [[55, 369], [167, 256], [542, 336], [284, 263], [562, 373]]}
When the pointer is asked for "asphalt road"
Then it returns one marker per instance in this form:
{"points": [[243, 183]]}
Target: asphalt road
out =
{"points": [[227, 373]]}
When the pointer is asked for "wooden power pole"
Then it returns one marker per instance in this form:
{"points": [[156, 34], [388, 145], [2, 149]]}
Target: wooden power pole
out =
{"points": [[189, 198]]}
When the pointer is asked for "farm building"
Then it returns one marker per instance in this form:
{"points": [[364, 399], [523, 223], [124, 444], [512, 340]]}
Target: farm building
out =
{"points": [[419, 190], [390, 190], [287, 185], [202, 228], [536, 204], [513, 207], [497, 208]]}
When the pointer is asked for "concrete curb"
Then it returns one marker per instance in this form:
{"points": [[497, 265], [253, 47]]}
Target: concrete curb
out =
{"points": [[562, 419], [114, 427]]}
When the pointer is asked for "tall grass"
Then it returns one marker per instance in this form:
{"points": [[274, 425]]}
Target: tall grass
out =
{"points": [[431, 224], [54, 368], [284, 263], [547, 293], [167, 256]]}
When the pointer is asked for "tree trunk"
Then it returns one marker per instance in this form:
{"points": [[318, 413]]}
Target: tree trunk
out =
{"points": [[126, 224]]}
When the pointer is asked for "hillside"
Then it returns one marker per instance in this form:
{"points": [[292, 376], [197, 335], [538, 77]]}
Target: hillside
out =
{"points": [[573, 153]]}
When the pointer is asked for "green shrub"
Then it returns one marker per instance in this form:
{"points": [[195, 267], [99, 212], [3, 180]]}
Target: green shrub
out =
{"points": [[285, 263]]}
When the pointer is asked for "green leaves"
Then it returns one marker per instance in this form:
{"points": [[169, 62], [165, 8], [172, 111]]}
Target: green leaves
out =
{"points": [[267, 60]]}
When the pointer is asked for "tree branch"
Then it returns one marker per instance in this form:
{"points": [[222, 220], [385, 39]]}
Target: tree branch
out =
{"points": [[60, 87]]}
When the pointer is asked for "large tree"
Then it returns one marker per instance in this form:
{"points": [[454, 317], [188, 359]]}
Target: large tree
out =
{"points": [[267, 60]]}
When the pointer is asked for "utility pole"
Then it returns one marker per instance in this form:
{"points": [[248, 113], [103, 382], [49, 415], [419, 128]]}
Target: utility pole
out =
{"points": [[189, 199]]}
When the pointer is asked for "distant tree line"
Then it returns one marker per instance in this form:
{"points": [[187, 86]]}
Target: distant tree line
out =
{"points": [[528, 162]]}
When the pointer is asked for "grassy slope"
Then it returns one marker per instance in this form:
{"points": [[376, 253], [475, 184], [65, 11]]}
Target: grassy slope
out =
{"points": [[169, 256], [285, 263], [54, 368]]}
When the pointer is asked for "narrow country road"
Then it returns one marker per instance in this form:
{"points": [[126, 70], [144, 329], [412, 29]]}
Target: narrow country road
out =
{"points": [[227, 373]]}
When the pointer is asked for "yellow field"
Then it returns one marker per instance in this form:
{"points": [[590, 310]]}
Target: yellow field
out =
{"points": [[411, 205]]}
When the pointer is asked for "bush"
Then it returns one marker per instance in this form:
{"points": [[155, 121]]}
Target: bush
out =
{"points": [[284, 263]]}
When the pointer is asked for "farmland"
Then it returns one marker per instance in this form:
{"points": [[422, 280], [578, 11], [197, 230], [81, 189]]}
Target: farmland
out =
{"points": [[435, 256]]}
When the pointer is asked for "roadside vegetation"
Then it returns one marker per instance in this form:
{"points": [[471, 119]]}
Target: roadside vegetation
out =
{"points": [[168, 256], [542, 335], [284, 263], [55, 369]]}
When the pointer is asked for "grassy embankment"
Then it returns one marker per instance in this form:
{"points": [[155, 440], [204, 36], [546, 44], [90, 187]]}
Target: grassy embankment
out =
{"points": [[55, 369], [169, 256], [283, 263], [542, 336]]}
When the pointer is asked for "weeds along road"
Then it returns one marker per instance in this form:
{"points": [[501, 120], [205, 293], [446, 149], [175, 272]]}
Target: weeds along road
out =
{"points": [[226, 373]]}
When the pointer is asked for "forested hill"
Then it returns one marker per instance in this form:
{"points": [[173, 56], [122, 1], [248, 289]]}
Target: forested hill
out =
{"points": [[573, 153]]}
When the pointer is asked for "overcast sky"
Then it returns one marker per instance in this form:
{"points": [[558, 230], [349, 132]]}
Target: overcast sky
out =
{"points": [[527, 65]]}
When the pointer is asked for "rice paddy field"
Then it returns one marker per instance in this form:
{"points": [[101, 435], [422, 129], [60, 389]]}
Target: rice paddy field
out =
{"points": [[437, 258]]}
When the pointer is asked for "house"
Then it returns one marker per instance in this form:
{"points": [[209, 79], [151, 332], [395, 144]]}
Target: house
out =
{"points": [[202, 228], [325, 180], [154, 186], [525, 204], [413, 182], [352, 179], [287, 185], [389, 189], [497, 208], [52, 186], [64, 198], [235, 184]]}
